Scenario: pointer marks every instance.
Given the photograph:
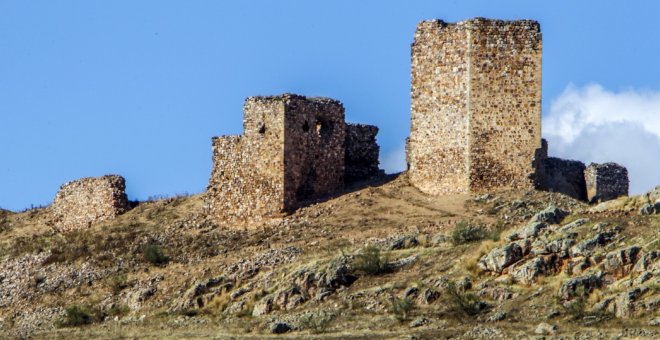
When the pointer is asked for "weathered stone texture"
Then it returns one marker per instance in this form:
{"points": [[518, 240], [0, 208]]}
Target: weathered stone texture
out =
{"points": [[476, 105], [605, 181], [292, 151], [82, 202], [361, 158], [563, 176]]}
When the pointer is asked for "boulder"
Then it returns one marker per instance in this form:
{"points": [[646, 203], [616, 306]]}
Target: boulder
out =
{"points": [[428, 296], [500, 258], [545, 328], [528, 272], [650, 209], [279, 327], [585, 247], [582, 285], [648, 262], [621, 261], [551, 215], [559, 246], [263, 306], [577, 223], [624, 303]]}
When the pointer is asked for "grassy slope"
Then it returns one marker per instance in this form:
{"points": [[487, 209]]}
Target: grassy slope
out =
{"points": [[325, 231]]}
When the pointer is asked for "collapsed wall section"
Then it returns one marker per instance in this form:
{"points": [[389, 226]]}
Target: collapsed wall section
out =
{"points": [[80, 203], [291, 152], [242, 185], [361, 152], [562, 176], [475, 105], [605, 181]]}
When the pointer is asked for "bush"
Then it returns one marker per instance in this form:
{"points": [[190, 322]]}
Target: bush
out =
{"points": [[117, 310], [316, 323], [75, 316], [118, 283], [462, 303], [154, 254], [401, 308], [370, 262], [465, 233]]}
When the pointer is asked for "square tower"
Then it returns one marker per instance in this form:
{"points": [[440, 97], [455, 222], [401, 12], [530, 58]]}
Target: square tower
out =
{"points": [[475, 105], [291, 151]]}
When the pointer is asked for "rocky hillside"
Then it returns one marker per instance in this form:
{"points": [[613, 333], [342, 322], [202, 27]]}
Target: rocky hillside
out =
{"points": [[380, 261]]}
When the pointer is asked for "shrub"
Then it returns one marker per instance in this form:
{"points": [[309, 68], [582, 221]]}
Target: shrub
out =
{"points": [[370, 262], [316, 323], [75, 316], [154, 254], [118, 310], [118, 283], [465, 233], [401, 308], [462, 303]]}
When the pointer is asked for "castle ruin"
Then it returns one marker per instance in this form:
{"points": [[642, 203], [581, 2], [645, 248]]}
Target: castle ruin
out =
{"points": [[605, 181], [475, 105], [475, 127], [292, 151], [88, 200]]}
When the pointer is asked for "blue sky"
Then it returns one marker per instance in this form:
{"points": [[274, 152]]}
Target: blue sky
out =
{"points": [[139, 88]]}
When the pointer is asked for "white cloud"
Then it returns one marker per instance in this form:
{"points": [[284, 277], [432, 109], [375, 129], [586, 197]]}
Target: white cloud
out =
{"points": [[592, 124], [395, 160]]}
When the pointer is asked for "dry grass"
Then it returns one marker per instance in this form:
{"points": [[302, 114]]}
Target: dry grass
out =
{"points": [[325, 232]]}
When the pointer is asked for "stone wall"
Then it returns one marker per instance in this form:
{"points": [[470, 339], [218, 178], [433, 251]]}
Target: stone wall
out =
{"points": [[475, 105], [291, 152], [80, 203], [559, 175], [563, 176], [361, 152], [605, 181]]}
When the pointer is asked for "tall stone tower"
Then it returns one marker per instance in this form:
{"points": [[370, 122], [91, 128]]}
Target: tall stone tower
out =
{"points": [[475, 105], [291, 151]]}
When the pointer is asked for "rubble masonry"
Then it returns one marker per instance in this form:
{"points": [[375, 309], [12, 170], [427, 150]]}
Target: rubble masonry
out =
{"points": [[475, 105], [82, 202]]}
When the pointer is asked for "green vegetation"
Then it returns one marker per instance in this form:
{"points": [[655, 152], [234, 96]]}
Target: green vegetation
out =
{"points": [[75, 316], [154, 254], [462, 304], [465, 233], [118, 282], [401, 308], [370, 261]]}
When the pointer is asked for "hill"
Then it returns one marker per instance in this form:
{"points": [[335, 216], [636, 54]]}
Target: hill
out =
{"points": [[381, 261]]}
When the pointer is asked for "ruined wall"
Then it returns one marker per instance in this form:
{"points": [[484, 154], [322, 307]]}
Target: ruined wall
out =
{"points": [[82, 202], [563, 176], [361, 152], [605, 181], [241, 184], [475, 105], [315, 131], [291, 151]]}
